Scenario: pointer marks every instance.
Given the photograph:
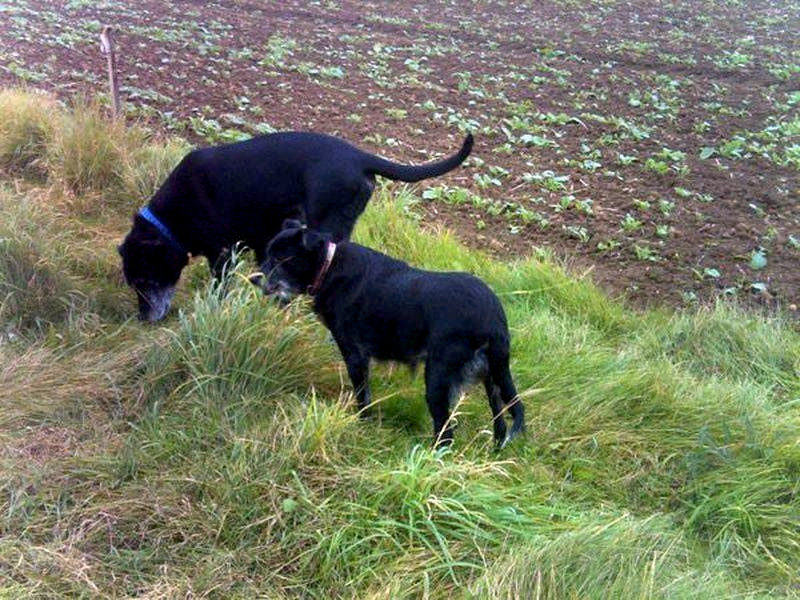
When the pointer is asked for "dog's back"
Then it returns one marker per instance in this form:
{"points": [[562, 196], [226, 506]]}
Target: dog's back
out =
{"points": [[401, 312]]}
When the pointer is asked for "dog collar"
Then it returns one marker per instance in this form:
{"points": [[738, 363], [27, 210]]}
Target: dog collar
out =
{"points": [[148, 216], [330, 251]]}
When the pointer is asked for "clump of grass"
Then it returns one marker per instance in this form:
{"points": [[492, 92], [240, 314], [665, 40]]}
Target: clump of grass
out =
{"points": [[26, 127], [32, 293], [146, 167], [745, 507], [39, 384], [234, 342], [98, 160], [451, 515], [89, 153]]}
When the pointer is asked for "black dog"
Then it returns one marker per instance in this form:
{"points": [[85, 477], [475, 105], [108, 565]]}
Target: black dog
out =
{"points": [[242, 192], [379, 307]]}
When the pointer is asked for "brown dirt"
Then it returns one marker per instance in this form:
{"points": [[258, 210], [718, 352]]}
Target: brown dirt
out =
{"points": [[590, 57]]}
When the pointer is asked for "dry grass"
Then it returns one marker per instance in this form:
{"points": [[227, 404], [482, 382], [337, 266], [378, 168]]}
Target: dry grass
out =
{"points": [[26, 130], [87, 152], [39, 384]]}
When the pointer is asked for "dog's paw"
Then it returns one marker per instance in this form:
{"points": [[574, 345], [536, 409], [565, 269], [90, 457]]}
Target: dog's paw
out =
{"points": [[509, 438]]}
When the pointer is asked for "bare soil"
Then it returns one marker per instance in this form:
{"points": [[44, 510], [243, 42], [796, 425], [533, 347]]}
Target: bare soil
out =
{"points": [[635, 80]]}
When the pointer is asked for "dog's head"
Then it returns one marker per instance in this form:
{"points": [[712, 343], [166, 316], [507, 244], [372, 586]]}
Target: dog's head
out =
{"points": [[152, 268], [293, 259]]}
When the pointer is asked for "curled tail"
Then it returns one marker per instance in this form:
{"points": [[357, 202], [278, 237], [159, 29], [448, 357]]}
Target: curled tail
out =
{"points": [[375, 165]]}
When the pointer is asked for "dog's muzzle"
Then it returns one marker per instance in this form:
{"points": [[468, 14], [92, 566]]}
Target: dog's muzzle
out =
{"points": [[279, 290], [156, 304]]}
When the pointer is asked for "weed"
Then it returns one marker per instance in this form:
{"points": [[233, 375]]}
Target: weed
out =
{"points": [[547, 180], [608, 245], [645, 252], [578, 232], [733, 60], [630, 223]]}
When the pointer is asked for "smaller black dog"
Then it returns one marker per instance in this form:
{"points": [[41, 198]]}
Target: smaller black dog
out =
{"points": [[379, 307]]}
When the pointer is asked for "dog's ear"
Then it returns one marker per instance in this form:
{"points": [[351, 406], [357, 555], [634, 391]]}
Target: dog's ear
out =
{"points": [[119, 249], [292, 224], [312, 238]]}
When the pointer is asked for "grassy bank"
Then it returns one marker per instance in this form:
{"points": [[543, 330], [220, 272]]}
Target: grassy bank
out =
{"points": [[220, 454]]}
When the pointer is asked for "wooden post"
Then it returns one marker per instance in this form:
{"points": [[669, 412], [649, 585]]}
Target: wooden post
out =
{"points": [[107, 48]]}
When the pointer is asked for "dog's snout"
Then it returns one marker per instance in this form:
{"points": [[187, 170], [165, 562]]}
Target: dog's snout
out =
{"points": [[150, 317], [256, 279]]}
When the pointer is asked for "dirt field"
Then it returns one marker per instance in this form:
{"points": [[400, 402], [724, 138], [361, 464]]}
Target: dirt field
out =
{"points": [[656, 143]]}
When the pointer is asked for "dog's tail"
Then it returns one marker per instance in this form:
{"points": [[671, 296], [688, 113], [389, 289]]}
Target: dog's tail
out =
{"points": [[375, 165]]}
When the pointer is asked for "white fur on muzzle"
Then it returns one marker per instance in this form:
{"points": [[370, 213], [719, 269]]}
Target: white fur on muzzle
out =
{"points": [[159, 301]]}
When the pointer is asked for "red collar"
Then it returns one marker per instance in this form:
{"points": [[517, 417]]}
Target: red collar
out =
{"points": [[330, 251]]}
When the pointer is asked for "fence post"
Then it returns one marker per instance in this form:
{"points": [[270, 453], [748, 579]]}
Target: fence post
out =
{"points": [[107, 48]]}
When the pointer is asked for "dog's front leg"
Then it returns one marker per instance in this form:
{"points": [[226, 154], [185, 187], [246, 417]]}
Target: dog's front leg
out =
{"points": [[218, 263], [358, 369]]}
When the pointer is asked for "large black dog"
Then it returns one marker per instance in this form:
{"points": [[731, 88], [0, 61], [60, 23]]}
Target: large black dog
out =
{"points": [[242, 192], [379, 307]]}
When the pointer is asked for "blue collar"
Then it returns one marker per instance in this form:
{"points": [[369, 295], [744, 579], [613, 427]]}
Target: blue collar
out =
{"points": [[148, 216]]}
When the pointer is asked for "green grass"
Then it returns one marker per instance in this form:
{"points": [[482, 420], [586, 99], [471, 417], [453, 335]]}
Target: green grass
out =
{"points": [[220, 454]]}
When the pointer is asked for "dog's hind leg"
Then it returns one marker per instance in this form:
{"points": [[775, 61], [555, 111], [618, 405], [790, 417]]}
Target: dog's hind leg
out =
{"points": [[501, 376], [333, 205], [443, 379], [496, 404]]}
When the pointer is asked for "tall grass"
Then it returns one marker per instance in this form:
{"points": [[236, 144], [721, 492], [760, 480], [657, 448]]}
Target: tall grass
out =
{"points": [[220, 454], [145, 167], [26, 130], [725, 341], [87, 150], [237, 343], [100, 162], [35, 291], [39, 384]]}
